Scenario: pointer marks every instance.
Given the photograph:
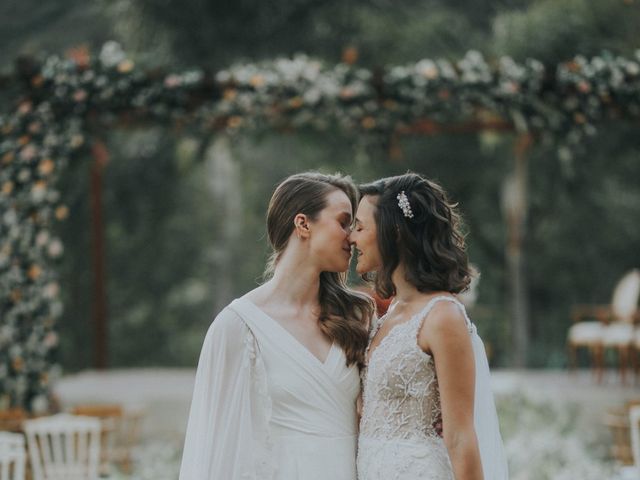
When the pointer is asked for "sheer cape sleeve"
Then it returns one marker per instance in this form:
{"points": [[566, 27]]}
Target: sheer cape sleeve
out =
{"points": [[228, 431]]}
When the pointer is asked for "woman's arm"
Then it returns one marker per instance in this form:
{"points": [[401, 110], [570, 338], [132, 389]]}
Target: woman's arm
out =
{"points": [[445, 336], [224, 438]]}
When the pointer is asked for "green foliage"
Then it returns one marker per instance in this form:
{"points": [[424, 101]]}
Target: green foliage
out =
{"points": [[410, 33], [582, 232], [157, 233], [553, 31]]}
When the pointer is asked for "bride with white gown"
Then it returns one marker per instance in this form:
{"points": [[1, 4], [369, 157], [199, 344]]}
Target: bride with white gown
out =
{"points": [[428, 411], [277, 380]]}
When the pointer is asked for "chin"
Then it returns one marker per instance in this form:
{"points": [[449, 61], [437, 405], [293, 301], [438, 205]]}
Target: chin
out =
{"points": [[362, 269]]}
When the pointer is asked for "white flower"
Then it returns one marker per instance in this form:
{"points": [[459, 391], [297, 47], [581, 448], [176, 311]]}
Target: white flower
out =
{"points": [[40, 404], [50, 340], [111, 54], [42, 238], [38, 192], [6, 334], [312, 96], [55, 248], [51, 290], [633, 68], [24, 175], [223, 76]]}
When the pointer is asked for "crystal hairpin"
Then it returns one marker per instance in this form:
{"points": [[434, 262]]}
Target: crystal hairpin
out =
{"points": [[405, 206]]}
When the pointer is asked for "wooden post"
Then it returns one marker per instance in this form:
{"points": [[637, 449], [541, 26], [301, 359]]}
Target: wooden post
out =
{"points": [[515, 203], [101, 331]]}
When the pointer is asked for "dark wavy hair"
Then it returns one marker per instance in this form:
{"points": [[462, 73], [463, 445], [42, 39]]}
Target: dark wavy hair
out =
{"points": [[430, 245], [344, 313]]}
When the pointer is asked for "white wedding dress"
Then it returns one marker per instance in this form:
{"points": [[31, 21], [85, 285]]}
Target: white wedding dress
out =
{"points": [[265, 408], [401, 407]]}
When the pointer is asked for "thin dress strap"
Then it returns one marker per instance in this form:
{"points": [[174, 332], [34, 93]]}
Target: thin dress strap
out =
{"points": [[422, 314]]}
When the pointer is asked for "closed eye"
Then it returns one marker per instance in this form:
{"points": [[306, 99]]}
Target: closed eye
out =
{"points": [[345, 222]]}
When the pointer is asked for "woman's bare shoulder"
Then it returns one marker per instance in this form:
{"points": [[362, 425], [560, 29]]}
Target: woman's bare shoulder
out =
{"points": [[445, 320]]}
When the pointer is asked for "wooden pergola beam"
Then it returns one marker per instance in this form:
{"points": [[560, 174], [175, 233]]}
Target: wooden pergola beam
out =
{"points": [[430, 127]]}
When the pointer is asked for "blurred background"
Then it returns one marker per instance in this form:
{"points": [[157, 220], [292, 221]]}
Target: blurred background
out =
{"points": [[184, 213], [170, 205]]}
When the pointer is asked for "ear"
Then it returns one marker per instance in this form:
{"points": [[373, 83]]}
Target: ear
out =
{"points": [[301, 224]]}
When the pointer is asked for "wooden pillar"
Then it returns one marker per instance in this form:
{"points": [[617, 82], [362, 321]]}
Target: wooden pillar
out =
{"points": [[515, 203], [101, 330]]}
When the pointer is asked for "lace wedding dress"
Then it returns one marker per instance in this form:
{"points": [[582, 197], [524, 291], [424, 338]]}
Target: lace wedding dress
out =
{"points": [[401, 408]]}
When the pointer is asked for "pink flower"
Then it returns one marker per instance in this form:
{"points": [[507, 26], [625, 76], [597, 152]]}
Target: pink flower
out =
{"points": [[172, 81]]}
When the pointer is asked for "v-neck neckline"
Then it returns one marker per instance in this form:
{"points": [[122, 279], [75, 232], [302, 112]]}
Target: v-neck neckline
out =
{"points": [[423, 311], [292, 337], [369, 353]]}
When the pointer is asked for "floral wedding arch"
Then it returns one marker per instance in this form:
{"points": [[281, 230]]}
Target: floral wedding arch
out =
{"points": [[61, 103]]}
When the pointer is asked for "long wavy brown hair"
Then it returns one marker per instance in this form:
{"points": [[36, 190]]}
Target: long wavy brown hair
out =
{"points": [[430, 244], [344, 313]]}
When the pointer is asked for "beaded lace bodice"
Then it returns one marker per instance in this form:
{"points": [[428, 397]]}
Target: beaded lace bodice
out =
{"points": [[399, 437], [401, 398]]}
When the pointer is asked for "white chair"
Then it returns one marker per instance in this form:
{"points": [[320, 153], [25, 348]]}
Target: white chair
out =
{"points": [[587, 334], [619, 334], [64, 447], [612, 327], [12, 456], [119, 434]]}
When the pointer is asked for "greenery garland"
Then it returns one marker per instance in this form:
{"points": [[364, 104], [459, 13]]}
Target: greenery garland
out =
{"points": [[51, 123]]}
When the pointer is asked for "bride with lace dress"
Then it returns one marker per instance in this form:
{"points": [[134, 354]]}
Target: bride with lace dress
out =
{"points": [[278, 376], [427, 408]]}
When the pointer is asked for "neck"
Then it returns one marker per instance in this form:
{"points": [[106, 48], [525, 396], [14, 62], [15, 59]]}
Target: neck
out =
{"points": [[405, 291], [295, 280]]}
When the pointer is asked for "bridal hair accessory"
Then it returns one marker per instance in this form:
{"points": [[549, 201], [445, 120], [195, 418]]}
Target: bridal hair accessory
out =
{"points": [[405, 206]]}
